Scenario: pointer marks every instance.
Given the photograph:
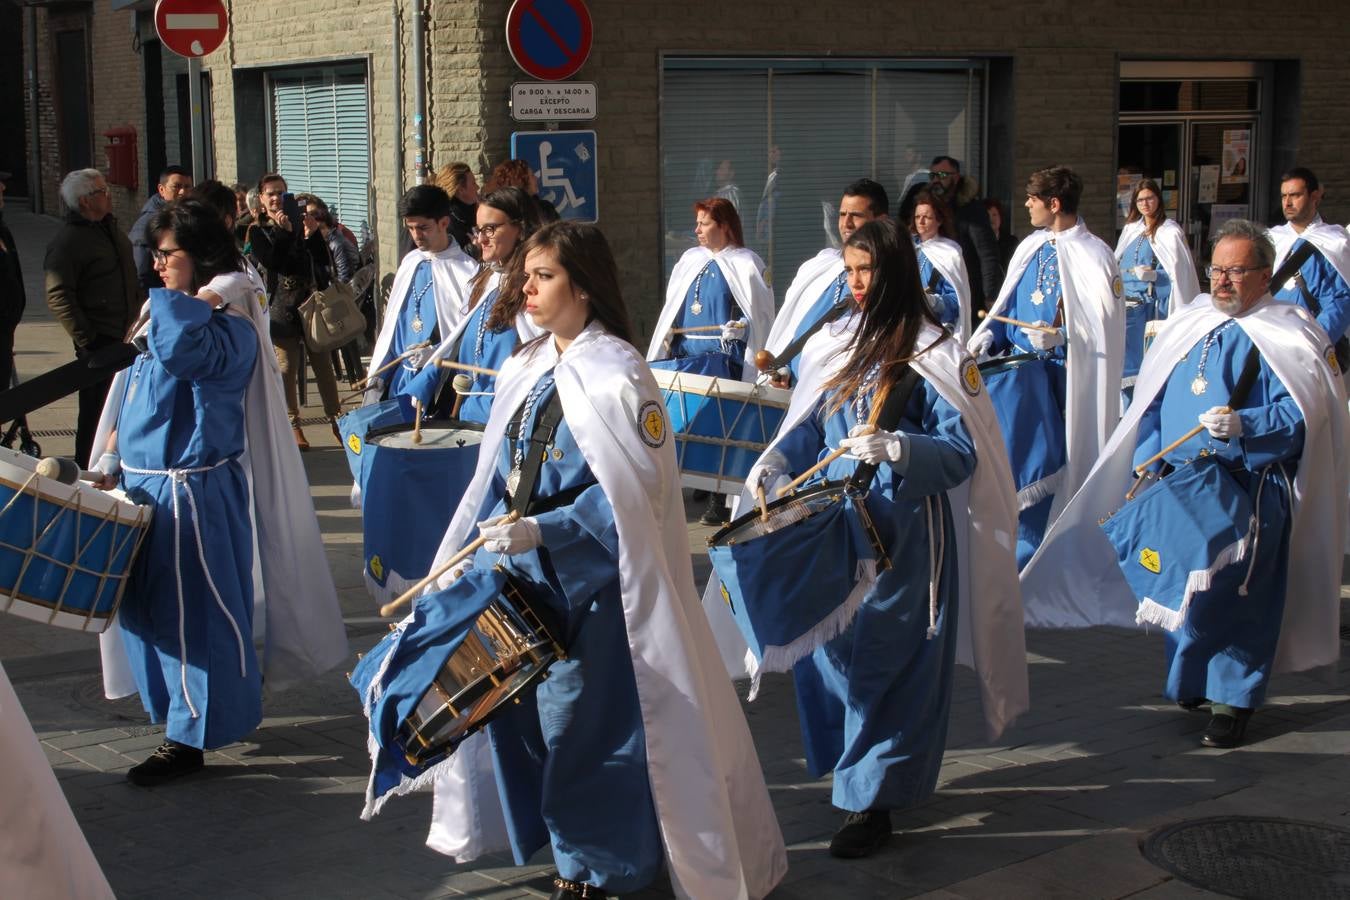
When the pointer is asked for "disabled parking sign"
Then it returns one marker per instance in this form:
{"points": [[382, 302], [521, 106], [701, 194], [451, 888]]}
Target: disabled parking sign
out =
{"points": [[564, 163]]}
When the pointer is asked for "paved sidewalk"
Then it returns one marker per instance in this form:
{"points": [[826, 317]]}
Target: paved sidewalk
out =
{"points": [[1055, 808]]}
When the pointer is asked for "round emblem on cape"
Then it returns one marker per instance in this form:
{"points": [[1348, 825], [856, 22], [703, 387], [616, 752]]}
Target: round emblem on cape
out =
{"points": [[652, 423], [970, 376], [1117, 286], [354, 443], [1329, 354]]}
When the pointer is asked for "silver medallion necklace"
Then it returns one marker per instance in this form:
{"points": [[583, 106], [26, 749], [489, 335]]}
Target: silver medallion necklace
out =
{"points": [[417, 323], [1047, 277], [697, 306], [1199, 385]]}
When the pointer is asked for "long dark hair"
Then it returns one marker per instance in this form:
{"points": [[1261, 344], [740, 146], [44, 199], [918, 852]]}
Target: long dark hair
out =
{"points": [[201, 233], [584, 253], [1134, 215], [523, 212], [893, 312]]}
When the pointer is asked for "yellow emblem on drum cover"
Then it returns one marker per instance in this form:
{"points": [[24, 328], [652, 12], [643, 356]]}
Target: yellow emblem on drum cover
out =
{"points": [[1329, 354], [652, 423], [377, 568], [1150, 560], [970, 377], [726, 595], [354, 442], [1117, 287]]}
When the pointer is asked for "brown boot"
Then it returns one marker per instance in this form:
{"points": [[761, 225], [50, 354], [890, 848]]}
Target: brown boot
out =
{"points": [[300, 438]]}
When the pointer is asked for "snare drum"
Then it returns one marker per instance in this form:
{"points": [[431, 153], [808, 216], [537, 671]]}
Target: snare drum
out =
{"points": [[791, 578], [409, 492], [721, 426], [65, 549], [1027, 398], [357, 424], [1183, 534], [467, 651]]}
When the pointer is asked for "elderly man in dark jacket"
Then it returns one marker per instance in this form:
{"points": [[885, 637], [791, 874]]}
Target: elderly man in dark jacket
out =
{"points": [[91, 284], [174, 182], [11, 293]]}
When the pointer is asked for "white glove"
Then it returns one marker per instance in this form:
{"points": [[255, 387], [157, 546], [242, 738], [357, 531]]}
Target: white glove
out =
{"points": [[772, 467], [980, 344], [511, 538], [733, 331], [417, 358], [1045, 340], [1145, 273], [874, 446], [1221, 422]]}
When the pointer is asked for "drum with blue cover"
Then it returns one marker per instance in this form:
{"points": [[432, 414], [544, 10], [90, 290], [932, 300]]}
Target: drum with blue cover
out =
{"points": [[721, 426], [793, 575], [409, 492], [355, 425], [1183, 534], [1027, 391]]}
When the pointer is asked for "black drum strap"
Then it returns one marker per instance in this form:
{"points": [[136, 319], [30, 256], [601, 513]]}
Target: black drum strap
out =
{"points": [[791, 350], [892, 410], [545, 428]]}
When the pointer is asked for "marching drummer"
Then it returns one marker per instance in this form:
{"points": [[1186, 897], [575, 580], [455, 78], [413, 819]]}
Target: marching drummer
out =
{"points": [[426, 303], [1252, 386], [1062, 300], [496, 323], [718, 309], [578, 443], [174, 434], [874, 700]]}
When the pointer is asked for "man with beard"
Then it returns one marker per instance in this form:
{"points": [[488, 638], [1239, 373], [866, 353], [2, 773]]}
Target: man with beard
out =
{"points": [[1322, 283]]}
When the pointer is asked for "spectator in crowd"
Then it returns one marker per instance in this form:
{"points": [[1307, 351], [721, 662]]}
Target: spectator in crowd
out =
{"points": [[91, 284], [174, 182], [1002, 227], [457, 180], [11, 293], [290, 264], [343, 250], [240, 199], [517, 173]]}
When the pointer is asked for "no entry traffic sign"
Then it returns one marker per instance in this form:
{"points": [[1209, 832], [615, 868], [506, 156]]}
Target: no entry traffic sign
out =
{"points": [[549, 39], [191, 28]]}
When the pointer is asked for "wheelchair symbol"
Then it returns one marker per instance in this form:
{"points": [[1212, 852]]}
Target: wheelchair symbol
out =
{"points": [[553, 178]]}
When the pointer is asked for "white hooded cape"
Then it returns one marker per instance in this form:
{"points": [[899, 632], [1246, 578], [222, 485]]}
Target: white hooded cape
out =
{"points": [[1073, 580], [1331, 241], [810, 282], [1169, 245], [1094, 315], [721, 836], [451, 271], [990, 636], [945, 255], [305, 634], [744, 272], [43, 852]]}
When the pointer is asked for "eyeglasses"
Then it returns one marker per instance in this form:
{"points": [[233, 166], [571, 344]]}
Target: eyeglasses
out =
{"points": [[943, 176], [487, 231], [159, 257], [1234, 273]]}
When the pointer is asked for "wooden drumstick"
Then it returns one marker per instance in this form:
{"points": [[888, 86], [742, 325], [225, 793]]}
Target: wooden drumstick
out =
{"points": [[1139, 469], [417, 421], [407, 596], [365, 382], [696, 328], [1046, 329], [461, 384], [465, 367], [868, 428], [763, 501]]}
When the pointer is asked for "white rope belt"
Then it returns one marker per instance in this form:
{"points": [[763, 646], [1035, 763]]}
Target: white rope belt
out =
{"points": [[180, 476]]}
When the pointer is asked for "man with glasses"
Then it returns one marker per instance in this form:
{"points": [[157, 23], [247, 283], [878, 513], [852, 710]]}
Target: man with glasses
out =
{"points": [[979, 244], [91, 285], [174, 182], [1322, 283], [427, 301], [1276, 467]]}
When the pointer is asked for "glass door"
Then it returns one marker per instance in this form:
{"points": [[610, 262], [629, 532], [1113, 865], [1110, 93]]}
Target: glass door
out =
{"points": [[1149, 150], [1220, 162]]}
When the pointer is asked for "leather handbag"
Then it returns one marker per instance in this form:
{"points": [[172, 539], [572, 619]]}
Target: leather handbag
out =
{"points": [[331, 317]]}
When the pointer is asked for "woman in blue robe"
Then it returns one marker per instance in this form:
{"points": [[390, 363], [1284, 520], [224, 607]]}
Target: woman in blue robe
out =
{"points": [[1143, 274], [506, 218], [874, 701], [187, 617]]}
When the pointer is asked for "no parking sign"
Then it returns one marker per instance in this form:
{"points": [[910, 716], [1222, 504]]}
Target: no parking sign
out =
{"points": [[549, 39]]}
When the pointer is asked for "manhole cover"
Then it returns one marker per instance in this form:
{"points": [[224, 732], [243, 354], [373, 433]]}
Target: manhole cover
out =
{"points": [[1260, 858]]}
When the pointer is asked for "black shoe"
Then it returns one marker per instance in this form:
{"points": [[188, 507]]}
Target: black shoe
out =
{"points": [[715, 513], [170, 761], [862, 834], [1192, 704], [1225, 731], [575, 890]]}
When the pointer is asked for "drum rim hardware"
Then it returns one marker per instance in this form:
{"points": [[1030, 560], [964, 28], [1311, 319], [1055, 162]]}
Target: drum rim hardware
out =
{"points": [[829, 491]]}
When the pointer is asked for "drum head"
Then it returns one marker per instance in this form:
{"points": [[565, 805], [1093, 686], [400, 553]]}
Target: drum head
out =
{"points": [[1004, 363], [781, 513], [436, 435]]}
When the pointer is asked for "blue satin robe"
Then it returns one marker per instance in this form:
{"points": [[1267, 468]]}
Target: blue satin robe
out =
{"points": [[1326, 284], [184, 409], [1144, 300], [948, 304], [488, 349], [704, 352], [406, 378], [874, 701]]}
